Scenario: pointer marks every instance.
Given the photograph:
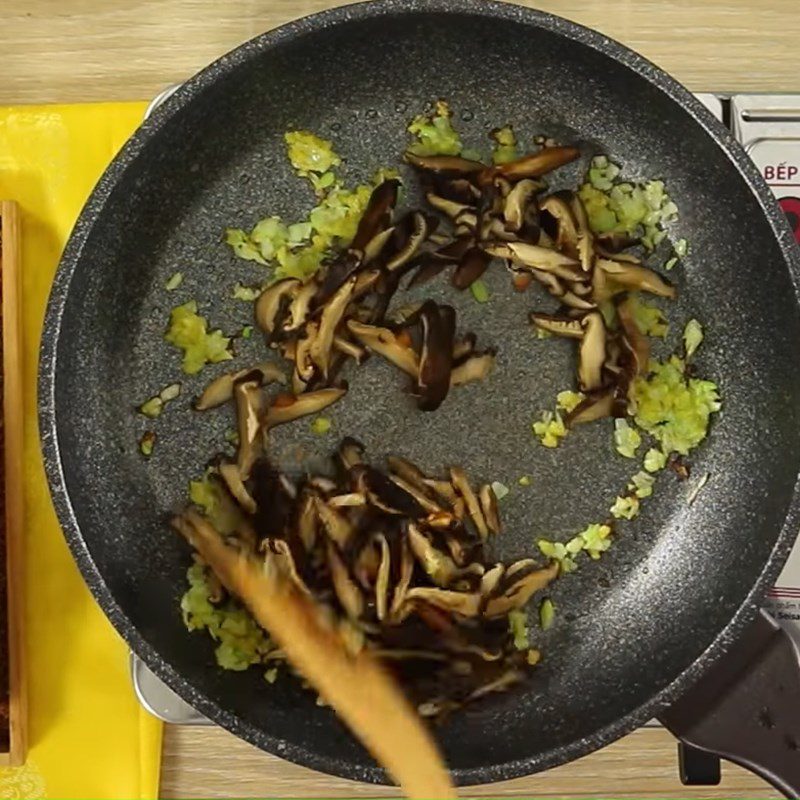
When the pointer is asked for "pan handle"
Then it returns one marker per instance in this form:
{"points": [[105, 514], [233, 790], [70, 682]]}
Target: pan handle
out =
{"points": [[746, 708]]}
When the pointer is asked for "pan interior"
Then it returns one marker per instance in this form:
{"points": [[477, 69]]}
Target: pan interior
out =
{"points": [[626, 625]]}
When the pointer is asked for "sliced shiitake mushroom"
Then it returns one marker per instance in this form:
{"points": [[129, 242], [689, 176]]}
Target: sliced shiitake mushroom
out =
{"points": [[534, 256], [445, 165], [537, 164], [560, 326], [220, 390], [250, 404], [418, 229], [436, 355], [629, 275], [232, 477], [332, 313], [559, 221], [385, 343], [488, 501], [596, 405], [287, 407], [385, 494], [592, 352], [471, 267], [269, 306], [461, 484], [520, 589], [517, 202], [474, 368]]}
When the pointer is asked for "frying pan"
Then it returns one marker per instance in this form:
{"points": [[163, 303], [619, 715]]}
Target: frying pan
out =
{"points": [[682, 584]]}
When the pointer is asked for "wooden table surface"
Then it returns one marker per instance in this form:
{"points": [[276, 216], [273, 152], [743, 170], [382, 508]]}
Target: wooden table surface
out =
{"points": [[82, 50]]}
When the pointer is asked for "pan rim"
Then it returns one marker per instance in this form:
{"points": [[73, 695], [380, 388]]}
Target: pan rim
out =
{"points": [[48, 417]]}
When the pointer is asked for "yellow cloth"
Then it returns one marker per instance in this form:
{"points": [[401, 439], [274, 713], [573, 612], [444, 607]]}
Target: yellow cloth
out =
{"points": [[88, 736]]}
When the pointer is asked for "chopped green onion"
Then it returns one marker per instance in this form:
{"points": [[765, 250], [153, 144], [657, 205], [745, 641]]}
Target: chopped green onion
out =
{"points": [[247, 332], [547, 613], [271, 675], [320, 426], [626, 438], [189, 332], [147, 443], [550, 429], [246, 293], [170, 392], [654, 460], [435, 133], [518, 627], [681, 248], [309, 153], [524, 481], [534, 657], [505, 145], [692, 337], [243, 246], [670, 262], [625, 507], [152, 408], [480, 291], [500, 490], [642, 484], [174, 282], [568, 400]]}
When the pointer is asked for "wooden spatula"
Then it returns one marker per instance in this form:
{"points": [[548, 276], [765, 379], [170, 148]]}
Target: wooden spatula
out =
{"points": [[357, 687]]}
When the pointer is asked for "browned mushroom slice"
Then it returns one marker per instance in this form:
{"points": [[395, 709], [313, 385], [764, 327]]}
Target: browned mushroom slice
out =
{"points": [[347, 592], [332, 313], [416, 236], [464, 603], [306, 522], [517, 201], [585, 236], [522, 587], [303, 365], [475, 368], [250, 403], [350, 349], [278, 555], [574, 300], [220, 390], [382, 578], [550, 282], [461, 484], [564, 226], [337, 527], [438, 566], [491, 514], [537, 164], [287, 408], [348, 500], [445, 165], [233, 480], [612, 243], [419, 494], [499, 684], [399, 608], [375, 245], [385, 494], [385, 343], [560, 326], [444, 489], [471, 267], [491, 579], [592, 352], [638, 342], [406, 470], [450, 208], [381, 202], [436, 356], [351, 452], [427, 271], [462, 190], [300, 306], [464, 347], [596, 406], [366, 565], [634, 276], [270, 302], [533, 256]]}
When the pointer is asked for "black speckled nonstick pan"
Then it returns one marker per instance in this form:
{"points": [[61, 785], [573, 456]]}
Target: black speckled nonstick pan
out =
{"points": [[677, 596]]}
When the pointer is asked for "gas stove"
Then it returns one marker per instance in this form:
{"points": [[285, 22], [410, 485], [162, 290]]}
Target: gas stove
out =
{"points": [[768, 126]]}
